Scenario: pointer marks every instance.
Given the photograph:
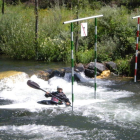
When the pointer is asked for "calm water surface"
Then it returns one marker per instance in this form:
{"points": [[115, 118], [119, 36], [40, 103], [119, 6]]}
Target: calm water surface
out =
{"points": [[114, 115], [29, 67]]}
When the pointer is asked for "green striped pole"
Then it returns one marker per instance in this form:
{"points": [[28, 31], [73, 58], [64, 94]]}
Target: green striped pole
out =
{"points": [[72, 60], [95, 86], [72, 63]]}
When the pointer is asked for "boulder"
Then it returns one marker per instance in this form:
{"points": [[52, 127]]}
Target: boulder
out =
{"points": [[111, 66], [49, 73], [79, 67], [100, 67], [90, 73], [58, 73], [76, 77], [67, 69], [43, 75]]}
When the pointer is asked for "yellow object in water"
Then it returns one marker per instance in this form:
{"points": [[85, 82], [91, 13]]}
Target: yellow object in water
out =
{"points": [[8, 74], [104, 74]]}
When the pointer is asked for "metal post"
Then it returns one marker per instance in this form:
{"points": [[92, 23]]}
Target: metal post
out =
{"points": [[72, 63], [136, 55], [95, 85]]}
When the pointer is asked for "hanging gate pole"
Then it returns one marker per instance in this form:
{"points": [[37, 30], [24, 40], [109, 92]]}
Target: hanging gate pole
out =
{"points": [[136, 56], [72, 63]]}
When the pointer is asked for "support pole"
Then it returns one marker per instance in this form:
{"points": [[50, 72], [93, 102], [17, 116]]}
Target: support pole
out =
{"points": [[95, 85], [72, 63], [136, 57]]}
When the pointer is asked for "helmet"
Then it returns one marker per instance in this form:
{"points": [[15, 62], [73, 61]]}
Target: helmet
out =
{"points": [[58, 87]]}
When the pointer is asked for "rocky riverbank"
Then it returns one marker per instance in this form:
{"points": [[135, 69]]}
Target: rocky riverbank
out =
{"points": [[103, 70]]}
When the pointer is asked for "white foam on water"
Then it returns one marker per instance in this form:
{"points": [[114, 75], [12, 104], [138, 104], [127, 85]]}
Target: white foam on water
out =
{"points": [[45, 132], [104, 106], [107, 107], [9, 82], [52, 132]]}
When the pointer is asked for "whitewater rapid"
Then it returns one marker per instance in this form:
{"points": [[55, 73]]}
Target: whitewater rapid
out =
{"points": [[108, 108]]}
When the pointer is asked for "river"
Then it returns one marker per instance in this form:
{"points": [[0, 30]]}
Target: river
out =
{"points": [[114, 115]]}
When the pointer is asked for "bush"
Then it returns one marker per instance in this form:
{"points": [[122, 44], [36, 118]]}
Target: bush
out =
{"points": [[107, 48], [116, 34], [55, 49], [85, 56], [54, 37], [17, 34], [123, 66], [116, 24]]}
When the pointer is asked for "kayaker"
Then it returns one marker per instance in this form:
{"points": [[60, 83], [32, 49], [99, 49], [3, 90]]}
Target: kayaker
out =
{"points": [[59, 93]]}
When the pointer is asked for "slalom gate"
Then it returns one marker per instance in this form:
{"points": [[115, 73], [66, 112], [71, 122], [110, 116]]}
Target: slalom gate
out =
{"points": [[72, 56], [136, 56]]}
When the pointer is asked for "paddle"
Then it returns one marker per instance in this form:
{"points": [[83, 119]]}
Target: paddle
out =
{"points": [[36, 86]]}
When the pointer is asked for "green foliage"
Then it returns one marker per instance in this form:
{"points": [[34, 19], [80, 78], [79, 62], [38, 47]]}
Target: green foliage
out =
{"points": [[55, 49], [106, 48], [51, 22], [54, 39], [96, 5], [0, 3], [123, 66], [116, 23], [85, 56], [5, 5], [116, 33], [17, 34]]}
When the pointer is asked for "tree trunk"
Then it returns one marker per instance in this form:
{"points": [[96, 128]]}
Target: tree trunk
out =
{"points": [[2, 6], [77, 34], [36, 28]]}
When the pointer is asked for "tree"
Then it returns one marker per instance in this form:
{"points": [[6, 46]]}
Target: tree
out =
{"points": [[2, 6]]}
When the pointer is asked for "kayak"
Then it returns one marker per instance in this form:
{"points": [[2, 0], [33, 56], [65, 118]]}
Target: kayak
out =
{"points": [[40, 104], [48, 102]]}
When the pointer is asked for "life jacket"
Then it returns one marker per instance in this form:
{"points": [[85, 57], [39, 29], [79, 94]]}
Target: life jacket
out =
{"points": [[56, 100]]}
